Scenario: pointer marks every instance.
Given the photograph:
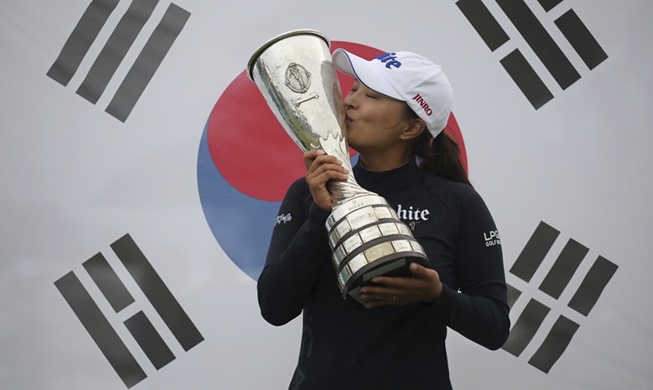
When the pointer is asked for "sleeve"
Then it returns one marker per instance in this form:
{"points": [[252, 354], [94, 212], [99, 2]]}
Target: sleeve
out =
{"points": [[479, 311], [296, 250]]}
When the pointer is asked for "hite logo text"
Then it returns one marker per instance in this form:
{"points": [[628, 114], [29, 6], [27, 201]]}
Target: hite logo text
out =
{"points": [[411, 214]]}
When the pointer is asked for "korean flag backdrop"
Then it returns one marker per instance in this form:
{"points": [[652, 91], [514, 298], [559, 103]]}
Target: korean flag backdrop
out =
{"points": [[142, 173]]}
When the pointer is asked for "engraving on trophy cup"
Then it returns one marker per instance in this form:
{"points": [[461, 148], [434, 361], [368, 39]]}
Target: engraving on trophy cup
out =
{"points": [[298, 102], [298, 79]]}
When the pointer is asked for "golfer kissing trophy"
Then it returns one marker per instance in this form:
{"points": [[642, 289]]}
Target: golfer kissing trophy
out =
{"points": [[297, 78]]}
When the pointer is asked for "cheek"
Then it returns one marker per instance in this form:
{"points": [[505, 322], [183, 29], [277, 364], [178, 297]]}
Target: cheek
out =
{"points": [[359, 134], [375, 122], [381, 115], [389, 113]]}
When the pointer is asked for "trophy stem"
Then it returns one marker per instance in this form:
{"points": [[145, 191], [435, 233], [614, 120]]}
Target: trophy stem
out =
{"points": [[343, 191]]}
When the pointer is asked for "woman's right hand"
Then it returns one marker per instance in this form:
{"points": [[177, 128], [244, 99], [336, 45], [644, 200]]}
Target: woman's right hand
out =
{"points": [[322, 168]]}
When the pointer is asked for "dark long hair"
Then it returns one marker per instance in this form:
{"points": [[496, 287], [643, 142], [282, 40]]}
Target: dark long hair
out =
{"points": [[440, 155]]}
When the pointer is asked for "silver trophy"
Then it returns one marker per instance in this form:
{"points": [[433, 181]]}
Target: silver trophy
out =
{"points": [[295, 74]]}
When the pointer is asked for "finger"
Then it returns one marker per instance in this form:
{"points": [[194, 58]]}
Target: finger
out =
{"points": [[430, 277], [421, 272], [393, 282], [381, 295], [312, 155], [378, 291], [384, 301], [321, 177], [324, 173], [333, 165], [324, 159]]}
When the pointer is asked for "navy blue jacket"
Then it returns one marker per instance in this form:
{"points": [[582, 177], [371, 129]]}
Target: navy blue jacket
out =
{"points": [[389, 347]]}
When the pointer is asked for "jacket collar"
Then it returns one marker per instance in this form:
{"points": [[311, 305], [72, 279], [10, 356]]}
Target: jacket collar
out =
{"points": [[387, 181]]}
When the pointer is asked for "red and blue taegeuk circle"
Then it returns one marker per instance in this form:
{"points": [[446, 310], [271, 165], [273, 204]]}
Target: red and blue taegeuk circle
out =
{"points": [[246, 162]]}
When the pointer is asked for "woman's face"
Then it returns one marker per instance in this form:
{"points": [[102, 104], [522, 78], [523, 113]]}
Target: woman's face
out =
{"points": [[374, 121]]}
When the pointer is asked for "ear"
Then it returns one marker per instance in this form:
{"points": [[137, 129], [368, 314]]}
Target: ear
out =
{"points": [[414, 127]]}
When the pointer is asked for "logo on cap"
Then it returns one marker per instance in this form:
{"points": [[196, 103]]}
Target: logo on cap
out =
{"points": [[422, 103], [390, 60]]}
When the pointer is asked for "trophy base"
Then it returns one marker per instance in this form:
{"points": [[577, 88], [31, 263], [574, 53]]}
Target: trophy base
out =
{"points": [[368, 239], [395, 266]]}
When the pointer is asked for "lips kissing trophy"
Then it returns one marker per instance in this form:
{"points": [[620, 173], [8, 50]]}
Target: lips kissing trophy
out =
{"points": [[297, 78]]}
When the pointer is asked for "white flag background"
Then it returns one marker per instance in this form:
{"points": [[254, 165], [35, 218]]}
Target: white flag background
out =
{"points": [[133, 227]]}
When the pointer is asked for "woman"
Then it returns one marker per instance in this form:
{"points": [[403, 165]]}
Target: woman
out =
{"points": [[395, 114]]}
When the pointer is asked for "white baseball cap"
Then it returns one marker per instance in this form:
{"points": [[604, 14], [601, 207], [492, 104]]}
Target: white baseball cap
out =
{"points": [[404, 76]]}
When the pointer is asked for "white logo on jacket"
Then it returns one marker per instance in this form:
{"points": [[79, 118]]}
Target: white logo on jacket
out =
{"points": [[283, 218], [411, 214], [492, 238]]}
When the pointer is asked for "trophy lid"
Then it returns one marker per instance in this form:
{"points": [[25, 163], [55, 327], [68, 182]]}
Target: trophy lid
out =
{"points": [[271, 41]]}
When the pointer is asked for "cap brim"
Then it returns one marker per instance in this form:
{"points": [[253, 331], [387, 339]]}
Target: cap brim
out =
{"points": [[364, 71]]}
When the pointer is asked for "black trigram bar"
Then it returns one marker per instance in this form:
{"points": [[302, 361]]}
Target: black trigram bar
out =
{"points": [[526, 79], [148, 62], [581, 39], [592, 286], [534, 252], [157, 292], [80, 40], [525, 328], [555, 344], [540, 41], [483, 22], [513, 295], [108, 282], [149, 340], [549, 4], [115, 49], [100, 329], [563, 269]]}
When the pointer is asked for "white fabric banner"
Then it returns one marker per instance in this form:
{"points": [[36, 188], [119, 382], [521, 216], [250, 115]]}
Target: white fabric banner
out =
{"points": [[140, 185]]}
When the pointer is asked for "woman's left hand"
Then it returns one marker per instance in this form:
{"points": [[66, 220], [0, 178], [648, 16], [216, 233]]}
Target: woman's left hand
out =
{"points": [[423, 286]]}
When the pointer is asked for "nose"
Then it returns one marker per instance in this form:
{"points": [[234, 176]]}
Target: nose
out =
{"points": [[350, 100]]}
